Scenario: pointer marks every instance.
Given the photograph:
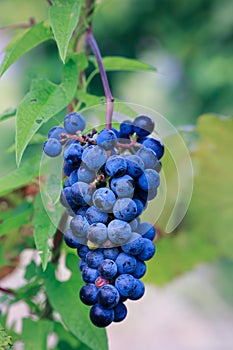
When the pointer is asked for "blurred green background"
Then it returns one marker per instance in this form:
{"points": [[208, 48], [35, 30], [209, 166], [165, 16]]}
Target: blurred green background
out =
{"points": [[191, 45]]}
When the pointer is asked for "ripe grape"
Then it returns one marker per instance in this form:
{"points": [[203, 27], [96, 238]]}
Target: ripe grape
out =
{"points": [[106, 189]]}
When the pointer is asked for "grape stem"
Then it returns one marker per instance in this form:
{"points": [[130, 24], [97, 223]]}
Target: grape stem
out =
{"points": [[90, 39], [30, 23]]}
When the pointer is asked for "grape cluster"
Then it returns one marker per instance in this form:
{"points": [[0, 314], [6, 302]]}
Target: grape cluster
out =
{"points": [[110, 177]]}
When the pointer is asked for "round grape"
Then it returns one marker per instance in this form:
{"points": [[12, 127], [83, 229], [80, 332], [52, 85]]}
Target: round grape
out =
{"points": [[74, 122], [88, 294], [156, 145], [104, 199], [52, 147], [120, 312], [106, 139], [107, 269], [108, 296], [119, 232], [97, 233], [100, 316], [94, 157], [125, 209], [143, 125]]}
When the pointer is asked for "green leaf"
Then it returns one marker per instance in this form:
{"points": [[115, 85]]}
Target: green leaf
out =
{"points": [[205, 234], [66, 340], [43, 229], [73, 313], [20, 176], [5, 340], [113, 63], [35, 334], [24, 42], [11, 112], [18, 218], [64, 17], [30, 271], [43, 101], [117, 63]]}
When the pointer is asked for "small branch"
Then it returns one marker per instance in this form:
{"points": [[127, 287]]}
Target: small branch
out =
{"points": [[31, 23], [50, 2], [7, 291], [109, 98]]}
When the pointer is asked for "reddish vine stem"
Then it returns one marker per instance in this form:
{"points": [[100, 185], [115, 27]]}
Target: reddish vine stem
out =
{"points": [[109, 98], [7, 291], [30, 23], [49, 2]]}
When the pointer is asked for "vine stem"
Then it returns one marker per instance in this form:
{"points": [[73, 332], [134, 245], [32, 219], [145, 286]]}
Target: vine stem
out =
{"points": [[90, 39], [7, 291], [30, 23]]}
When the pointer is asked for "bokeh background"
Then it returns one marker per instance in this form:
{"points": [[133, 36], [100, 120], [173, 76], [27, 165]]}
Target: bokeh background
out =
{"points": [[189, 299]]}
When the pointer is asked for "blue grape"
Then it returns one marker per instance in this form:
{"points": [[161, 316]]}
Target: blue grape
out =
{"points": [[125, 178], [104, 199], [79, 226], [88, 294], [148, 157], [108, 269], [108, 296], [81, 193], [143, 125], [140, 270], [156, 145], [125, 209], [116, 132], [135, 245], [69, 168], [126, 263], [73, 154], [116, 166], [120, 312], [140, 206], [66, 183], [138, 291], [74, 122], [133, 224], [66, 199], [124, 187], [82, 210], [89, 275], [73, 177], [126, 128], [149, 180], [56, 132], [94, 157], [94, 258], [148, 250], [146, 230], [135, 165], [106, 139], [100, 316], [81, 264], [94, 215], [85, 175], [52, 147], [97, 233], [125, 285], [111, 253], [119, 232], [71, 240], [82, 251]]}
